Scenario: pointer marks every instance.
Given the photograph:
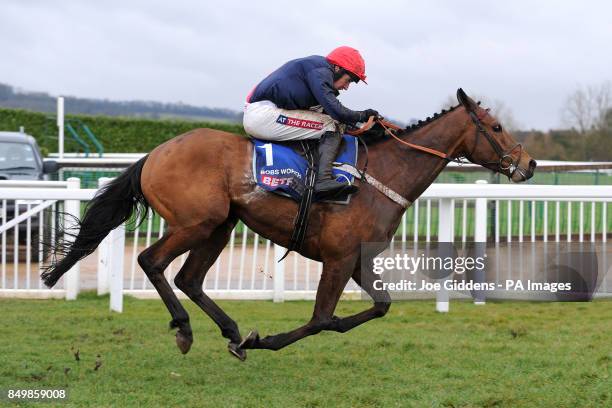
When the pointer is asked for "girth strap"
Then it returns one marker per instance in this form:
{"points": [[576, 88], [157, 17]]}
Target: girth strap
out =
{"points": [[301, 219], [392, 195]]}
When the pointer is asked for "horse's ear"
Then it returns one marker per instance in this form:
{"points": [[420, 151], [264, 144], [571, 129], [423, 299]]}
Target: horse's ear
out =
{"points": [[465, 100]]}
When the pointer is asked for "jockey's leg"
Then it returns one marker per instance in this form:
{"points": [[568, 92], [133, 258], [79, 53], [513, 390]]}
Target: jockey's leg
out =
{"points": [[264, 120], [326, 185]]}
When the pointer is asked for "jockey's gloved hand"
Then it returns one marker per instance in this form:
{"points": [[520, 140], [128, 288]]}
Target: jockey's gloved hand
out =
{"points": [[367, 113]]}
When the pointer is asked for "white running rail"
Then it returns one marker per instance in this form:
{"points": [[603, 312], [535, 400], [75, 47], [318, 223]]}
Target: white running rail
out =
{"points": [[247, 268]]}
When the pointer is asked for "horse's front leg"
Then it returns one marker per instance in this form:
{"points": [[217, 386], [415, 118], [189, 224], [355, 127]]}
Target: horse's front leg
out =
{"points": [[382, 302], [334, 277]]}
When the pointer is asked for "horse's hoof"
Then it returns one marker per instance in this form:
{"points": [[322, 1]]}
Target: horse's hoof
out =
{"points": [[183, 341], [236, 351], [250, 341]]}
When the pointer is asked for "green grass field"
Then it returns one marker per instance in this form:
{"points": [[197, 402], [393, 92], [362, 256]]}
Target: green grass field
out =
{"points": [[500, 355]]}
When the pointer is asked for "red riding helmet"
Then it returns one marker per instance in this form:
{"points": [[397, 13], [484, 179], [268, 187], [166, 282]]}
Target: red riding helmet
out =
{"points": [[349, 59]]}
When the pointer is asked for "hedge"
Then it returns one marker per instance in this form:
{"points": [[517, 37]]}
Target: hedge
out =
{"points": [[117, 134]]}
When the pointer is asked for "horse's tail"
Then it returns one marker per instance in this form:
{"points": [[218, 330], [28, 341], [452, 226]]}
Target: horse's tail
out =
{"points": [[112, 205]]}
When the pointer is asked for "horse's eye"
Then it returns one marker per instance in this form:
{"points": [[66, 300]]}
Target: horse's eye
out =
{"points": [[497, 128]]}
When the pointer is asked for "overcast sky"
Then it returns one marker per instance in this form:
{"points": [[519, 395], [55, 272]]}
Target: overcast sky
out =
{"points": [[528, 54]]}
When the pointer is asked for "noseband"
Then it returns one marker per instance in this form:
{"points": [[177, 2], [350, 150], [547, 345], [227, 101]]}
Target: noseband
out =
{"points": [[505, 162]]}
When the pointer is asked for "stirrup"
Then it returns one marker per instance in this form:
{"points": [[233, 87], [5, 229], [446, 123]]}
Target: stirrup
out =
{"points": [[332, 191]]}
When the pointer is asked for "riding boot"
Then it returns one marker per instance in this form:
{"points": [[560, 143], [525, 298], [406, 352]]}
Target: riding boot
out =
{"points": [[326, 186]]}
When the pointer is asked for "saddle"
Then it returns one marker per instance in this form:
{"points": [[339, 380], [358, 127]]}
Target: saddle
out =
{"points": [[282, 167]]}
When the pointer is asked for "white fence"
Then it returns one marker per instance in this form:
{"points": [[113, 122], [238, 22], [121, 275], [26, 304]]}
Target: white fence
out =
{"points": [[24, 204], [247, 268]]}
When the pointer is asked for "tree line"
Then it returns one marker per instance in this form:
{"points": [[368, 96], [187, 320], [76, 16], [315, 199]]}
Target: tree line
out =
{"points": [[43, 102], [587, 113]]}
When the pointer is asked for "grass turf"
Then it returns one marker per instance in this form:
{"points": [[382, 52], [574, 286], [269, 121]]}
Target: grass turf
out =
{"points": [[500, 355]]}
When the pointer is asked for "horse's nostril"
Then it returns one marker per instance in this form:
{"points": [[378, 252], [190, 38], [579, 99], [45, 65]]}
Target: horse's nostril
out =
{"points": [[532, 164]]}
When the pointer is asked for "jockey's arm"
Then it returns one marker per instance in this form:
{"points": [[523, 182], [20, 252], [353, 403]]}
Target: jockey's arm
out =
{"points": [[320, 83]]}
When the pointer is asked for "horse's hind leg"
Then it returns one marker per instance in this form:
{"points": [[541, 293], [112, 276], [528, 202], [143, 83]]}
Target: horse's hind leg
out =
{"points": [[154, 261], [191, 277]]}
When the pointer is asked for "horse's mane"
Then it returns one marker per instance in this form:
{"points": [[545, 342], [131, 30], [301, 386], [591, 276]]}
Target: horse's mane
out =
{"points": [[377, 134]]}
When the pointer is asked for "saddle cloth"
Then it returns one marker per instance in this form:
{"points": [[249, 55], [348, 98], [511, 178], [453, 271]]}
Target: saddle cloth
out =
{"points": [[281, 168]]}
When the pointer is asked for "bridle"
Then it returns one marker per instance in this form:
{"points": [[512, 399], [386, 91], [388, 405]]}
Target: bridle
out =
{"points": [[505, 162]]}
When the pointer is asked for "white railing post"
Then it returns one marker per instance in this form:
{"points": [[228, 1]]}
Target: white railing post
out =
{"points": [[480, 239], [446, 231], [72, 209], [116, 251], [279, 274], [110, 262], [104, 251]]}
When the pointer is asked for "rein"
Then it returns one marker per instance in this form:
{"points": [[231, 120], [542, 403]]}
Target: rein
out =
{"points": [[389, 127]]}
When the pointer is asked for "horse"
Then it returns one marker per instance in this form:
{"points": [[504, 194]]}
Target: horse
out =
{"points": [[202, 183]]}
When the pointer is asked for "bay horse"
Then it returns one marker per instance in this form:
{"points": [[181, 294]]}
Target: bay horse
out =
{"points": [[202, 183]]}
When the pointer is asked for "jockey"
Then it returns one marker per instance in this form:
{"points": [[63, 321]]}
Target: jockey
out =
{"points": [[299, 101]]}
